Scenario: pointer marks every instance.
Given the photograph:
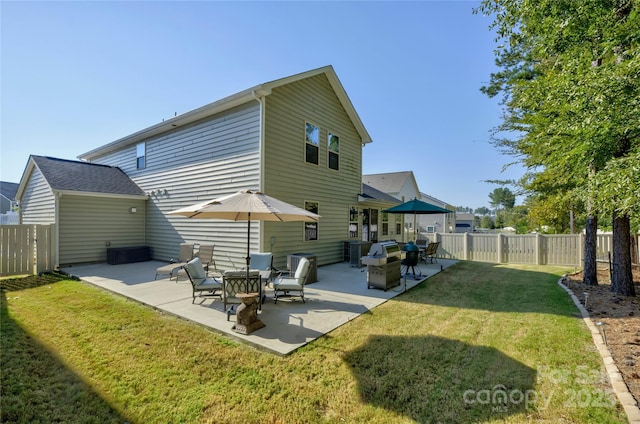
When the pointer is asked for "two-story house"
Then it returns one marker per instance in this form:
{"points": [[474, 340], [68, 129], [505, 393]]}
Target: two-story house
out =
{"points": [[298, 139]]}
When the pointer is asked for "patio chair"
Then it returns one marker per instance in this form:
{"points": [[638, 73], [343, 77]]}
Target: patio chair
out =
{"points": [[205, 253], [430, 252], [287, 284], [200, 283], [263, 263], [175, 265], [234, 282]]}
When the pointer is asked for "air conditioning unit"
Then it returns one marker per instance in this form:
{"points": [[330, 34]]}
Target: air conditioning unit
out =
{"points": [[294, 259]]}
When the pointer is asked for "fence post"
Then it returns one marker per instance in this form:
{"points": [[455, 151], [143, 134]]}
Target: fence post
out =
{"points": [[499, 248], [465, 246], [538, 249]]}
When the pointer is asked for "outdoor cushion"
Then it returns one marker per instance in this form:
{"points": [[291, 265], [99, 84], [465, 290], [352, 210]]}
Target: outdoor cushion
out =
{"points": [[202, 285], [196, 271]]}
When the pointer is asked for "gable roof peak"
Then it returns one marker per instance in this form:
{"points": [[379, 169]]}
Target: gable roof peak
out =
{"points": [[249, 95]]}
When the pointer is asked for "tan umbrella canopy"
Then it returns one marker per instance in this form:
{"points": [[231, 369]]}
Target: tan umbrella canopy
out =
{"points": [[247, 205]]}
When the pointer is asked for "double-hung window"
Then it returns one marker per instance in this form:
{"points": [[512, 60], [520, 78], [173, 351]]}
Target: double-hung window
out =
{"points": [[312, 143], [334, 151], [141, 152]]}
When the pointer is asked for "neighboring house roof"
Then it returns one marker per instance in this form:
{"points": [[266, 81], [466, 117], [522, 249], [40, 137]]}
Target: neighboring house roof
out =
{"points": [[369, 192], [251, 94], [75, 177], [390, 182], [9, 190], [431, 199]]}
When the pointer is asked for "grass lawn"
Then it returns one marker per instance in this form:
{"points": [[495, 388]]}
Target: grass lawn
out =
{"points": [[476, 343]]}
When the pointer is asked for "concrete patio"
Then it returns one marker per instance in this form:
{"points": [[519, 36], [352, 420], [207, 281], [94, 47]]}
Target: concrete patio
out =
{"points": [[339, 295]]}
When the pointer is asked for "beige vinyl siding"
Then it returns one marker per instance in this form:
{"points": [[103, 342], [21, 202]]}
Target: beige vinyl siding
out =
{"points": [[289, 178], [87, 223], [38, 203], [213, 157]]}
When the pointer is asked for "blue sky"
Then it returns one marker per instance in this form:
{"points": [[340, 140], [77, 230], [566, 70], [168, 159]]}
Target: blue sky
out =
{"points": [[77, 75]]}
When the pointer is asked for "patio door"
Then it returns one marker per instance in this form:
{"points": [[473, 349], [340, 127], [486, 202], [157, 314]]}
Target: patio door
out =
{"points": [[370, 225]]}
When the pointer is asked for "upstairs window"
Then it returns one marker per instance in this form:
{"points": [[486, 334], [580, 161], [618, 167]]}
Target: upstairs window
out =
{"points": [[334, 151], [312, 142], [140, 156]]}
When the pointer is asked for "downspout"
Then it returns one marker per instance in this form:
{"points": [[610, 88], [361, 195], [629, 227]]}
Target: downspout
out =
{"points": [[261, 171], [260, 100], [56, 242]]}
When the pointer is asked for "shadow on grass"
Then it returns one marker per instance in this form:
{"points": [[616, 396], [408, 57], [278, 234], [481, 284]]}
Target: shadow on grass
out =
{"points": [[496, 288], [36, 386], [33, 281], [434, 379]]}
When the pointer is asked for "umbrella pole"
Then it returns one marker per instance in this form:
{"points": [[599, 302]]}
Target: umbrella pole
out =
{"points": [[248, 258]]}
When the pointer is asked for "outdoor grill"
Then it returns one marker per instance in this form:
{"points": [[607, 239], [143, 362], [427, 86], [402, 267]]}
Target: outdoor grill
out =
{"points": [[383, 265]]}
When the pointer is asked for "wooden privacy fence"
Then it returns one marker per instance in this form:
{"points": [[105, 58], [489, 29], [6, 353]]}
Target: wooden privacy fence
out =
{"points": [[27, 249], [534, 249]]}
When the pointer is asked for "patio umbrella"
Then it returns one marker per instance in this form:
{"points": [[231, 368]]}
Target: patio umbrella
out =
{"points": [[247, 205], [417, 207]]}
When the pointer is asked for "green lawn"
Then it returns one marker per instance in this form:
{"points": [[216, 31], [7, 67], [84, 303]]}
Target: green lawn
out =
{"points": [[475, 343]]}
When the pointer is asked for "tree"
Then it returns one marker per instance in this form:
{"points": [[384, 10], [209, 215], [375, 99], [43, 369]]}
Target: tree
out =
{"points": [[570, 77], [487, 222], [464, 209], [483, 210], [502, 196]]}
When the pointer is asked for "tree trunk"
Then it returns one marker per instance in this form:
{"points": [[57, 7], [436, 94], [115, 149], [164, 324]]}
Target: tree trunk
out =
{"points": [[590, 274], [572, 224], [621, 275]]}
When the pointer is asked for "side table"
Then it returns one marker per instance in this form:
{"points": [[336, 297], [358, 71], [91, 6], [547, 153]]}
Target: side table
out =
{"points": [[247, 314]]}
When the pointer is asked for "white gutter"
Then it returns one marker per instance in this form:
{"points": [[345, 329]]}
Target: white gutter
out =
{"points": [[60, 193]]}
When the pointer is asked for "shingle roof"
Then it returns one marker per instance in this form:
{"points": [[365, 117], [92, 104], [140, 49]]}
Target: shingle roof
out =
{"points": [[8, 189], [70, 175], [373, 193], [390, 182]]}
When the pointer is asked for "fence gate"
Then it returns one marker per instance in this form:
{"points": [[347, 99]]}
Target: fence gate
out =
{"points": [[26, 249]]}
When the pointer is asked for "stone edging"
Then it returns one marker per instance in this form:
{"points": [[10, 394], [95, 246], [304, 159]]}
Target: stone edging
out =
{"points": [[615, 377]]}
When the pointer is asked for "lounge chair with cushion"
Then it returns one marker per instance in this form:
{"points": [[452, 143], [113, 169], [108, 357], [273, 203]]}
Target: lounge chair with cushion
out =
{"points": [[201, 284], [173, 268], [286, 284]]}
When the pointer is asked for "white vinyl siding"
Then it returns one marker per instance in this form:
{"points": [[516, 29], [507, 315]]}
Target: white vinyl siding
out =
{"points": [[38, 203], [213, 157], [292, 180], [87, 223]]}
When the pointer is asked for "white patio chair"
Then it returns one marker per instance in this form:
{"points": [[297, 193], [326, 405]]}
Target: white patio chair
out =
{"points": [[287, 284]]}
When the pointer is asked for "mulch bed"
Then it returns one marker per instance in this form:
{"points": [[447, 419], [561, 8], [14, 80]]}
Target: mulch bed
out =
{"points": [[620, 316]]}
